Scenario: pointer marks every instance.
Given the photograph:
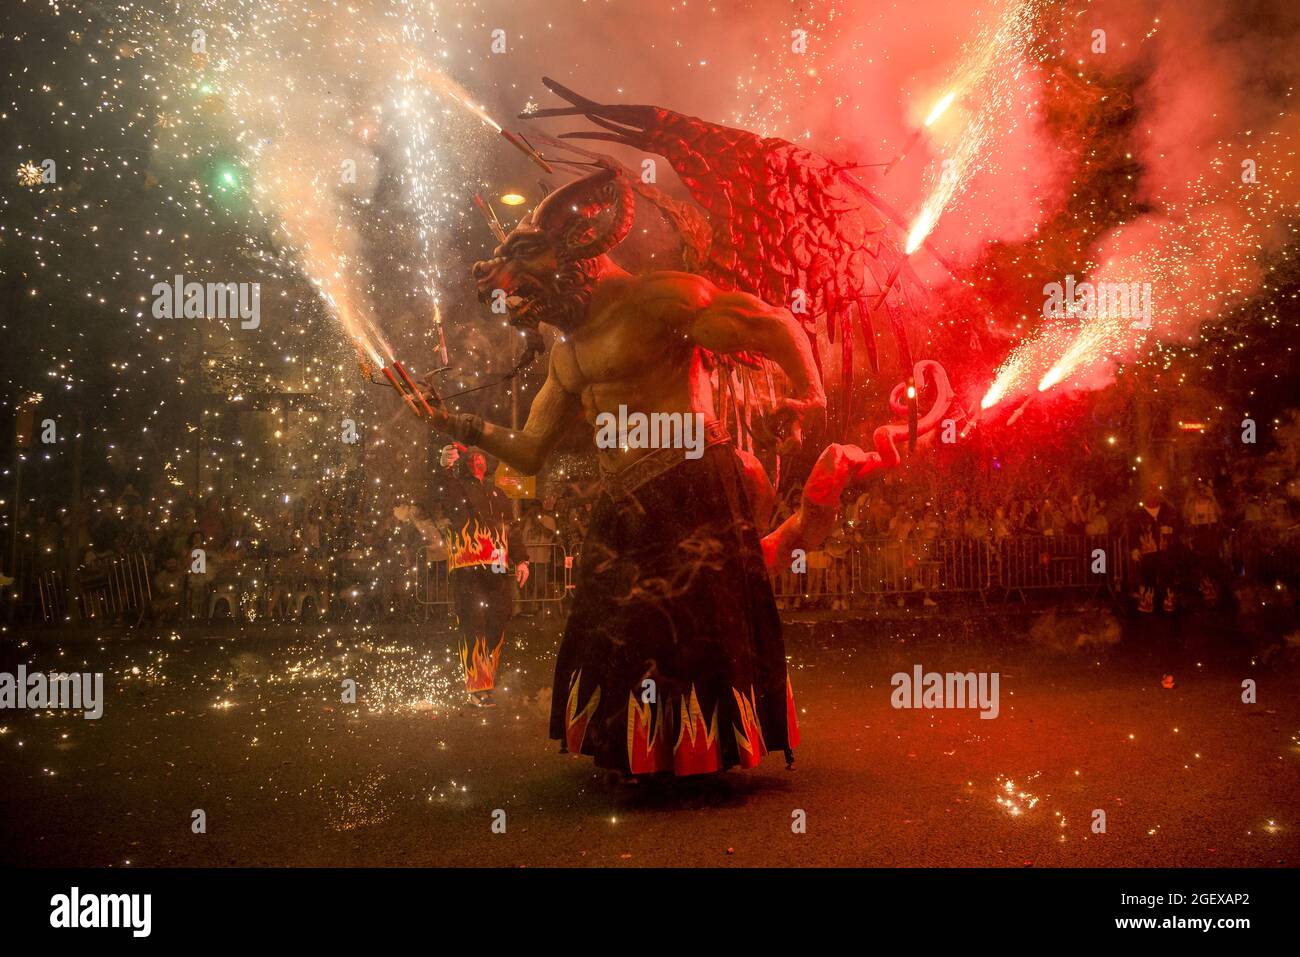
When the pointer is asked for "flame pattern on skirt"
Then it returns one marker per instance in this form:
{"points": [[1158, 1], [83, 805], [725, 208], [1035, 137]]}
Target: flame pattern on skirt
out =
{"points": [[576, 722], [791, 719], [695, 749], [672, 590], [479, 666], [749, 735]]}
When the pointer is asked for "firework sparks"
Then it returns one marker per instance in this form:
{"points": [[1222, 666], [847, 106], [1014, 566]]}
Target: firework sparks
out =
{"points": [[988, 76], [1156, 279], [29, 175], [940, 108]]}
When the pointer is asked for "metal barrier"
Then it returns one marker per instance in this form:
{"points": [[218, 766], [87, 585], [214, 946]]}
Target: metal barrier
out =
{"points": [[548, 574], [53, 596], [433, 587], [1060, 562], [550, 579], [962, 566], [117, 590], [416, 584]]}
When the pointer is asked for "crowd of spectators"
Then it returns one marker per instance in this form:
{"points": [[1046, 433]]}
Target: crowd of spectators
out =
{"points": [[105, 525], [180, 543], [1185, 536]]}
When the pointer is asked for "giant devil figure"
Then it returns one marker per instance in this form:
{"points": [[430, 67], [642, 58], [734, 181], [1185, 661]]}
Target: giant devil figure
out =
{"points": [[672, 660]]}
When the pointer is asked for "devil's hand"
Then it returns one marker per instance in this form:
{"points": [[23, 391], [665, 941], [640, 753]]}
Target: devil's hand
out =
{"points": [[812, 523], [440, 417], [836, 469], [788, 420]]}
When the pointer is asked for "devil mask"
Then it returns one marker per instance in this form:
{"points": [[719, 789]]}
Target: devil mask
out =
{"points": [[546, 266]]}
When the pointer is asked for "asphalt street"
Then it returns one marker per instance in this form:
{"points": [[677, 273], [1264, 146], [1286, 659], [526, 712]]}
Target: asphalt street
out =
{"points": [[250, 728]]}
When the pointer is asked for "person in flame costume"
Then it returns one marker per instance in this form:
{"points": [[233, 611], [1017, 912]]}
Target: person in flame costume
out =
{"points": [[483, 540], [672, 660]]}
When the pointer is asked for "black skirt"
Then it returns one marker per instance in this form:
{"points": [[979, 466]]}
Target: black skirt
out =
{"points": [[672, 660]]}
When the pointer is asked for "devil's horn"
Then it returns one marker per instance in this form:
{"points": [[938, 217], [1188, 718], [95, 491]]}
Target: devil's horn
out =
{"points": [[588, 216]]}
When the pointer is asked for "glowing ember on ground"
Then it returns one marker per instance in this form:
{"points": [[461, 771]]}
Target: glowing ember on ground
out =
{"points": [[1013, 799]]}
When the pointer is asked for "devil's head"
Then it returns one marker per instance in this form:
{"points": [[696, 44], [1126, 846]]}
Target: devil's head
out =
{"points": [[546, 267]]}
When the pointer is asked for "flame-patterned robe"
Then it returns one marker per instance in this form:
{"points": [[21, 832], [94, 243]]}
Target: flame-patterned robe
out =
{"points": [[672, 660], [484, 545]]}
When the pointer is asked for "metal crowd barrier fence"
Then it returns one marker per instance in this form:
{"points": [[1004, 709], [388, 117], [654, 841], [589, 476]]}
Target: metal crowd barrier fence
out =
{"points": [[116, 590], [549, 571], [963, 566], [433, 587], [297, 588], [550, 579], [53, 596]]}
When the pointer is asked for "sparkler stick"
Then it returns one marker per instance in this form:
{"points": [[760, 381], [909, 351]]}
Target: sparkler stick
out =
{"points": [[1011, 420], [935, 113], [442, 335], [406, 378], [912, 413], [392, 380], [889, 167], [490, 215], [518, 142], [893, 278]]}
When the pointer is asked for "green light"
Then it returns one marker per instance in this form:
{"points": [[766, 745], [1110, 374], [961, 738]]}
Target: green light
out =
{"points": [[227, 178]]}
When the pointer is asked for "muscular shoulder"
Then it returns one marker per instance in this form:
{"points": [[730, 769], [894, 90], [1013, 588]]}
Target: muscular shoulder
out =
{"points": [[672, 294]]}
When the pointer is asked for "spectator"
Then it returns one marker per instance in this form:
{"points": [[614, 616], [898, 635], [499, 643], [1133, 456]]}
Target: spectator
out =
{"points": [[1096, 523], [1153, 526], [168, 592]]}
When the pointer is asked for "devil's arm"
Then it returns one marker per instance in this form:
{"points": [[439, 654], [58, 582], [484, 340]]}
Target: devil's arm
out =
{"points": [[730, 322], [524, 450], [812, 523]]}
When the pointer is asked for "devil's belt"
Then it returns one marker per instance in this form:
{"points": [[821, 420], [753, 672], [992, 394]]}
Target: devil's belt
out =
{"points": [[655, 463]]}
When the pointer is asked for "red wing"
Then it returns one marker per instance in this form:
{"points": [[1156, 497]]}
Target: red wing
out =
{"points": [[782, 220]]}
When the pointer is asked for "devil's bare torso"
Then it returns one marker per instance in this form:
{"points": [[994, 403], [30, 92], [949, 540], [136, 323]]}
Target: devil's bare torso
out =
{"points": [[633, 350]]}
